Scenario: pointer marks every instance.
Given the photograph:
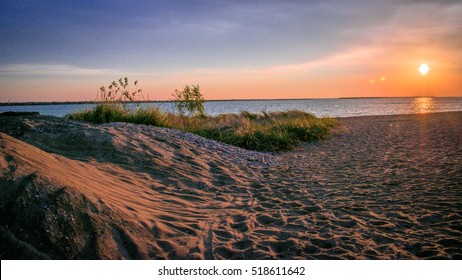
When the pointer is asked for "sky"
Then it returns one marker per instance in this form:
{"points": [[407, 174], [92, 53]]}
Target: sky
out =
{"points": [[65, 50]]}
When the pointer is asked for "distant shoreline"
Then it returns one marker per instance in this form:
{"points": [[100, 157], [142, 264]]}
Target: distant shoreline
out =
{"points": [[213, 100]]}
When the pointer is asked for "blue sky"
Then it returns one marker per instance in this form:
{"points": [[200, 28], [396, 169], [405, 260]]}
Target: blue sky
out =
{"points": [[64, 50]]}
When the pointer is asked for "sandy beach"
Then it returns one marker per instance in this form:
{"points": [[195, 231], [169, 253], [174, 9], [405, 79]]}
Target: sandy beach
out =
{"points": [[384, 187]]}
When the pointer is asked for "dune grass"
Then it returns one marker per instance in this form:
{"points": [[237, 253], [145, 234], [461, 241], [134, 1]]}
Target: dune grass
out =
{"points": [[276, 131]]}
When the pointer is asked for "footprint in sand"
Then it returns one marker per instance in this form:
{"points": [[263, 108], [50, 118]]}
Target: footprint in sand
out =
{"points": [[242, 244], [346, 223], [451, 243], [429, 253], [310, 249], [165, 245], [324, 243], [309, 209], [284, 247], [222, 234], [265, 220], [242, 227], [223, 253], [239, 222], [221, 177], [258, 208]]}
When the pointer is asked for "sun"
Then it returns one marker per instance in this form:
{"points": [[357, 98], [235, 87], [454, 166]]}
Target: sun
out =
{"points": [[423, 69]]}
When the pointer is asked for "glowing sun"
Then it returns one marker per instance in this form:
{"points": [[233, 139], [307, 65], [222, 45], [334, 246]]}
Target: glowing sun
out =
{"points": [[423, 69]]}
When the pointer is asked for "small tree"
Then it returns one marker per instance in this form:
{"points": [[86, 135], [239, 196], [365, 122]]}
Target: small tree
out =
{"points": [[119, 91], [189, 100]]}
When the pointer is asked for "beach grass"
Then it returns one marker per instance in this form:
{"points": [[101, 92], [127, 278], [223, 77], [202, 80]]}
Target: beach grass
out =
{"points": [[274, 131]]}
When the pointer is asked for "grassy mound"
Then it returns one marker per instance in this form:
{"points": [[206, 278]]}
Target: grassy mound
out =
{"points": [[270, 132]]}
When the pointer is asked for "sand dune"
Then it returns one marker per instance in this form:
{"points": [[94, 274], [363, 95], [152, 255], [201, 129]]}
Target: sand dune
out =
{"points": [[387, 187]]}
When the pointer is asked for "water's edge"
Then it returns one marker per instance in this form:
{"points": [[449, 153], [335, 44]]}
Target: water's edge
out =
{"points": [[350, 107]]}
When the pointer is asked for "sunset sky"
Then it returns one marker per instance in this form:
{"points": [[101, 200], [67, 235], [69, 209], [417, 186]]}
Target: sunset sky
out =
{"points": [[65, 50]]}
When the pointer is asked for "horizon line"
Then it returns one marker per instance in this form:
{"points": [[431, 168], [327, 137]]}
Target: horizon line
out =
{"points": [[16, 103]]}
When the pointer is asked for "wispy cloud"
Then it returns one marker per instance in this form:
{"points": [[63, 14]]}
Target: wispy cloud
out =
{"points": [[52, 70], [350, 60]]}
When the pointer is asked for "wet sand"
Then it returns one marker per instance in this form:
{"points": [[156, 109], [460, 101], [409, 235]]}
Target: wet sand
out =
{"points": [[385, 187]]}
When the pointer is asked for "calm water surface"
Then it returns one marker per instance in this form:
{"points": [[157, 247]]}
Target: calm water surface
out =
{"points": [[318, 107]]}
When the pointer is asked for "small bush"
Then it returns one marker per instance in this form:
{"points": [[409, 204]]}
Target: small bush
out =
{"points": [[189, 100]]}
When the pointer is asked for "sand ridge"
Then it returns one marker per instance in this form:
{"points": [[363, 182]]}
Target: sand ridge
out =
{"points": [[387, 187]]}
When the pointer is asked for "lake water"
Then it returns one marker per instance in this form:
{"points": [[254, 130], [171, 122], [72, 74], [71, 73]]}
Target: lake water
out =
{"points": [[318, 107]]}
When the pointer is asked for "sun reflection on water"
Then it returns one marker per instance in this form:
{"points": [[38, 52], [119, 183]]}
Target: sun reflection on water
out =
{"points": [[422, 105]]}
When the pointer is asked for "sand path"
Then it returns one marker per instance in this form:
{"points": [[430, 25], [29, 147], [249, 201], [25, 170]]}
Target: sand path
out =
{"points": [[387, 187]]}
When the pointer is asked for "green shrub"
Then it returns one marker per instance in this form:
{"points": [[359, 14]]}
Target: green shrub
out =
{"points": [[189, 100]]}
